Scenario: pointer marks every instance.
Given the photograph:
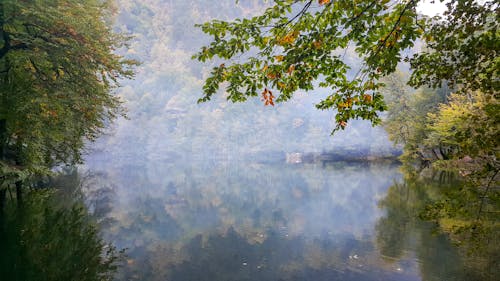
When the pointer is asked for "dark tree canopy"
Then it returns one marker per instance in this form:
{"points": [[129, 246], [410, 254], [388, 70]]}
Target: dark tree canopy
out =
{"points": [[58, 67], [300, 44]]}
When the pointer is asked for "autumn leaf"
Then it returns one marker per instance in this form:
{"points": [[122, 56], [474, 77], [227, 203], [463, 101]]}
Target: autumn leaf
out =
{"points": [[289, 38], [264, 95], [267, 97], [72, 32], [323, 2], [367, 98], [349, 102], [271, 75]]}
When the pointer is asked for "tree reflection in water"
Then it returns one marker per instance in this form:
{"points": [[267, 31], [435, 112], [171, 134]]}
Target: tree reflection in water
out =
{"points": [[51, 239], [402, 229], [270, 222]]}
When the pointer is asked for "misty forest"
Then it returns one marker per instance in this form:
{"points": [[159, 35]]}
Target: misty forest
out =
{"points": [[259, 140]]}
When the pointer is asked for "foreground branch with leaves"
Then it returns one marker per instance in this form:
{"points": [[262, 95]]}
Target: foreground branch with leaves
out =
{"points": [[299, 45]]}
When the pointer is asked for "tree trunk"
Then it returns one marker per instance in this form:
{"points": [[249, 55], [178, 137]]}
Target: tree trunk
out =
{"points": [[444, 152], [19, 193], [3, 197], [3, 150], [3, 139]]}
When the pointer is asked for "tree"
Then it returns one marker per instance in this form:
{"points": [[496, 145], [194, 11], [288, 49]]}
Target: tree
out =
{"points": [[298, 45], [468, 124], [58, 67], [406, 121]]}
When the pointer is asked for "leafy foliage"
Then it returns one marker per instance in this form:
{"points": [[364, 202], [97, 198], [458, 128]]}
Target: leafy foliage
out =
{"points": [[462, 49], [58, 67], [407, 117], [470, 124], [295, 43]]}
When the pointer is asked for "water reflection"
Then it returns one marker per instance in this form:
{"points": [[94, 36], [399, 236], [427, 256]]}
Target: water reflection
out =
{"points": [[48, 238], [400, 233], [274, 222], [232, 257], [250, 222]]}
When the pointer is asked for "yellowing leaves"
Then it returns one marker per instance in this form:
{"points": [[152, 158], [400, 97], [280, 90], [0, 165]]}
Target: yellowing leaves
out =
{"points": [[47, 112], [317, 44], [267, 97], [347, 104], [271, 75], [323, 2], [405, 19], [367, 98], [72, 32], [289, 38]]}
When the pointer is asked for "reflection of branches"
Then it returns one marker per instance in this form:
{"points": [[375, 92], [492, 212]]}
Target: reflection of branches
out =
{"points": [[45, 240], [98, 193], [483, 197]]}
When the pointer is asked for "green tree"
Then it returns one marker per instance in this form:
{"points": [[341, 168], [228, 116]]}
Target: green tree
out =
{"points": [[407, 119], [469, 125], [295, 43], [58, 68]]}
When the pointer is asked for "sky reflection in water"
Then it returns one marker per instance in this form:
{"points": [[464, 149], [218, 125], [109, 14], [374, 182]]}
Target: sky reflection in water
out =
{"points": [[231, 221]]}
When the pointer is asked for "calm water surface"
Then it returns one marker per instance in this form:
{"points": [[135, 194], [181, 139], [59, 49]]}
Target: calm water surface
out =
{"points": [[241, 221]]}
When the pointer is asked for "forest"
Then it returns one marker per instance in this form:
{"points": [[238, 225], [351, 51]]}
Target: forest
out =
{"points": [[249, 140]]}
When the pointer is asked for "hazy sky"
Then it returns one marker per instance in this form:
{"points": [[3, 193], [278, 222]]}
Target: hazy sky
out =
{"points": [[431, 9]]}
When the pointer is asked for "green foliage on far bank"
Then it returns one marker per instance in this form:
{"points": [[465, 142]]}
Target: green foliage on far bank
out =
{"points": [[445, 133]]}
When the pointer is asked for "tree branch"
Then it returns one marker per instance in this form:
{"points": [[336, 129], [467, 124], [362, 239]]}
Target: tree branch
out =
{"points": [[486, 192]]}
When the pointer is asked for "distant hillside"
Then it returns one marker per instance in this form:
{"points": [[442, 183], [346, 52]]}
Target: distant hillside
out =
{"points": [[161, 101]]}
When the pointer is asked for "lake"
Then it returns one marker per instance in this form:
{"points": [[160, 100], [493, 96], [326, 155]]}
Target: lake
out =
{"points": [[252, 221]]}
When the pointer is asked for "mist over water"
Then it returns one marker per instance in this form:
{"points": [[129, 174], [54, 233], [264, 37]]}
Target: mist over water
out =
{"points": [[222, 191], [278, 221]]}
